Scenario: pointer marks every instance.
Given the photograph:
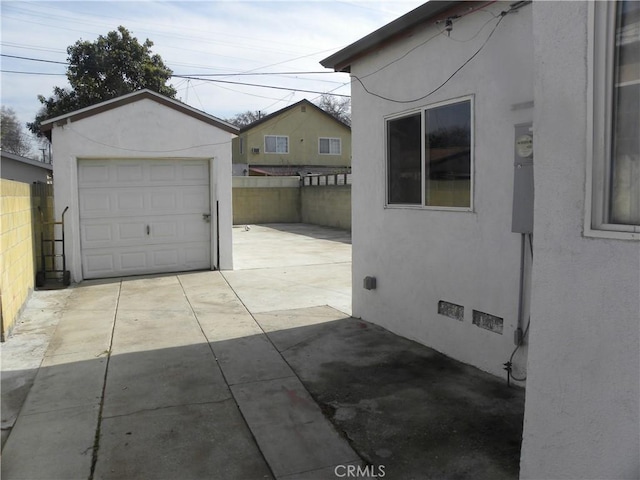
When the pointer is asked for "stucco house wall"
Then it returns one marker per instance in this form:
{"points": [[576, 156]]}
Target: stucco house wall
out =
{"points": [[423, 255], [582, 411], [304, 124], [548, 64], [139, 129]]}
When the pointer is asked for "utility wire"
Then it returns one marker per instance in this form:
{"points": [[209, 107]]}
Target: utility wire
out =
{"points": [[401, 57], [231, 74], [253, 73], [33, 59], [256, 85], [33, 73], [502, 15], [514, 7]]}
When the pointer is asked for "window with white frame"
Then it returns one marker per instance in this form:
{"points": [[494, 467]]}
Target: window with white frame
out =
{"points": [[329, 146], [429, 157], [616, 117], [276, 144], [241, 141]]}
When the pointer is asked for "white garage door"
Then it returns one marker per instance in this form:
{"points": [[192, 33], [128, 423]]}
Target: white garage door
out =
{"points": [[143, 216]]}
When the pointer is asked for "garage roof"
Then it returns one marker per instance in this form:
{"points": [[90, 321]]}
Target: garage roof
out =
{"points": [[47, 125], [341, 61]]}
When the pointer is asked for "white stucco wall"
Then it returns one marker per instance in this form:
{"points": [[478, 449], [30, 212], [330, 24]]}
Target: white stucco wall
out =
{"points": [[582, 400], [421, 256], [142, 129]]}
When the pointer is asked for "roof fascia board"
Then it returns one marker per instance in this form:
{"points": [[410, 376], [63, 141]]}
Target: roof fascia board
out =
{"points": [[341, 60], [47, 125]]}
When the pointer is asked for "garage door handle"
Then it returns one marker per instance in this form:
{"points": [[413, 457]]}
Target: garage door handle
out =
{"points": [[206, 217], [148, 230]]}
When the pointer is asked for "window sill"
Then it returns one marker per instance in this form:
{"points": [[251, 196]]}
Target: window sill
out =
{"points": [[632, 234], [429, 208]]}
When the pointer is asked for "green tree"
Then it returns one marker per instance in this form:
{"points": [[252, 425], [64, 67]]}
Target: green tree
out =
{"points": [[111, 66], [14, 138]]}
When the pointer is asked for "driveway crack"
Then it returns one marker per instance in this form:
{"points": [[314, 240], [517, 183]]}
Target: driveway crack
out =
{"points": [[96, 441]]}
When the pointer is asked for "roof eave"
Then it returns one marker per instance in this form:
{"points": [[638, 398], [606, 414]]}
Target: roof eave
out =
{"points": [[341, 60], [47, 125]]}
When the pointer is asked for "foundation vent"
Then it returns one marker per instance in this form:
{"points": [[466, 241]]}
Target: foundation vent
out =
{"points": [[487, 321], [451, 310]]}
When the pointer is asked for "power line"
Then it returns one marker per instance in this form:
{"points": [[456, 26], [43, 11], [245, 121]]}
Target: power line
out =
{"points": [[204, 80], [256, 85], [32, 73], [188, 75], [154, 33], [32, 47], [33, 59], [253, 73], [502, 15]]}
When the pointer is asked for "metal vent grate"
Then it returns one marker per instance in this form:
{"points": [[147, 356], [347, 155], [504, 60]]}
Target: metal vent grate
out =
{"points": [[451, 310]]}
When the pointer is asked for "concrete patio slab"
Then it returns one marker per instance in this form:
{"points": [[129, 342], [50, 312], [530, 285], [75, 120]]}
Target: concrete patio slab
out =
{"points": [[153, 293], [219, 327], [284, 326], [83, 331], [22, 356], [250, 359], [290, 429], [152, 379], [268, 289], [261, 246], [141, 330], [255, 373], [191, 441], [54, 445], [66, 382], [406, 407], [94, 295]]}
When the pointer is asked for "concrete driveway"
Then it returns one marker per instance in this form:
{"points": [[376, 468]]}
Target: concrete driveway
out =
{"points": [[256, 373]]}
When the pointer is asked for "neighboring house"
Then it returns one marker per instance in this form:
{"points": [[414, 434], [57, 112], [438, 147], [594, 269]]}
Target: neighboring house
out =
{"points": [[453, 107], [22, 169], [147, 180], [297, 140]]}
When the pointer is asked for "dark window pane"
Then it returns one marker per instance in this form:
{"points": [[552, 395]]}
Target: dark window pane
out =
{"points": [[405, 172], [625, 155], [448, 155]]}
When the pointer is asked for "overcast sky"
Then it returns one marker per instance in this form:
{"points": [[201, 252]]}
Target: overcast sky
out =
{"points": [[194, 38]]}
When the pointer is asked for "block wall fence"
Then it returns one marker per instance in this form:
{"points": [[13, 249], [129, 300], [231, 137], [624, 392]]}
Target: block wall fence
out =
{"points": [[260, 200], [19, 248]]}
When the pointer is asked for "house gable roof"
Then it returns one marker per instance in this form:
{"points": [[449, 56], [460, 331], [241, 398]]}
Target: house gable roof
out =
{"points": [[286, 109], [47, 125], [28, 161], [341, 60]]}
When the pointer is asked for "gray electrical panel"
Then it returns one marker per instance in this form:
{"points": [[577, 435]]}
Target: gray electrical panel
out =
{"points": [[522, 214]]}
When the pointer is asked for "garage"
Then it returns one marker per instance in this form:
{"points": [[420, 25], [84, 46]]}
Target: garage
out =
{"points": [[143, 216], [147, 180]]}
